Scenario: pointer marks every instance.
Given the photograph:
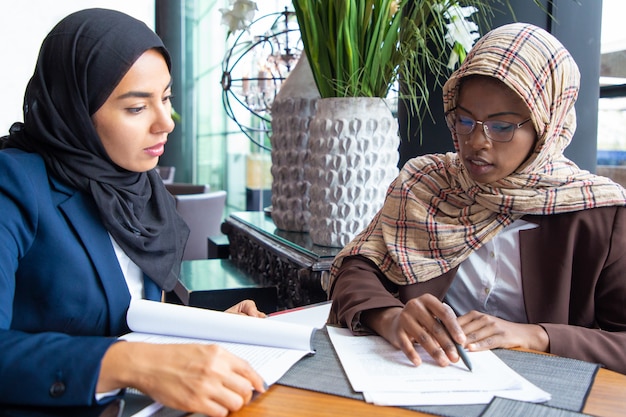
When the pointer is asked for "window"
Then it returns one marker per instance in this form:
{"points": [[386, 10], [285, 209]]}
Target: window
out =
{"points": [[612, 104], [225, 157]]}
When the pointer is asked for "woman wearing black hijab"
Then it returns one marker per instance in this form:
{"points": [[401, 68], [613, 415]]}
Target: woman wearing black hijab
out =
{"points": [[87, 224]]}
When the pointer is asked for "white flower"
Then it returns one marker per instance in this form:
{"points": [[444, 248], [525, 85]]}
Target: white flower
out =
{"points": [[461, 34], [239, 15]]}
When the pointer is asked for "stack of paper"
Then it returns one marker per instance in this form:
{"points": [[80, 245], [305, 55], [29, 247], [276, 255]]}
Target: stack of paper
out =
{"points": [[270, 346], [386, 377]]}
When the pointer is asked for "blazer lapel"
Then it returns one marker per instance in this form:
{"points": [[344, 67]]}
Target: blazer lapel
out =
{"points": [[542, 271], [82, 213]]}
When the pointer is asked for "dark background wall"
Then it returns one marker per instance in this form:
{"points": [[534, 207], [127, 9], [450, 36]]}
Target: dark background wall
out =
{"points": [[577, 24], [173, 28]]}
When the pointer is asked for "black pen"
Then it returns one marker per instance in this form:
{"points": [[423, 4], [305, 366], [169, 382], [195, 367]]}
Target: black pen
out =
{"points": [[460, 350], [463, 355]]}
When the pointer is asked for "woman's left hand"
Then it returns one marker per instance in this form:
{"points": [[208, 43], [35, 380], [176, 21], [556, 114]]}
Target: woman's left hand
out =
{"points": [[488, 332], [246, 308]]}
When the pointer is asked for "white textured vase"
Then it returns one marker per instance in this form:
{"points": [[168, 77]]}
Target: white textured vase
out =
{"points": [[292, 110], [353, 147]]}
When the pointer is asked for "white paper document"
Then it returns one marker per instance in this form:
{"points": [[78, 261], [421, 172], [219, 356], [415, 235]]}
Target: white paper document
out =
{"points": [[311, 315], [386, 377], [271, 347]]}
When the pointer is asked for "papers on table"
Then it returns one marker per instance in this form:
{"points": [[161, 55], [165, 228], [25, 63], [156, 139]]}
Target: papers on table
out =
{"points": [[271, 347], [386, 377], [310, 315]]}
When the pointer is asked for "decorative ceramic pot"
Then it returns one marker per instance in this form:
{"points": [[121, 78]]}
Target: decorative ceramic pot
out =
{"points": [[292, 110], [353, 158]]}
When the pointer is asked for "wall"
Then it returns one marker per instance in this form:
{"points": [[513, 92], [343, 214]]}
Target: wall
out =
{"points": [[23, 26]]}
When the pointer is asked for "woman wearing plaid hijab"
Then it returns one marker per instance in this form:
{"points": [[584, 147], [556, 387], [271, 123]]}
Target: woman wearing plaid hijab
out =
{"points": [[507, 233]]}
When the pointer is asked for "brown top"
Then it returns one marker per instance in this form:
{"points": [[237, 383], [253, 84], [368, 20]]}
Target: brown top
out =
{"points": [[573, 278]]}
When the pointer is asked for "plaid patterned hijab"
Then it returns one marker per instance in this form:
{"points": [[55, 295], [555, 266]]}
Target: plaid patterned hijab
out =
{"points": [[435, 215]]}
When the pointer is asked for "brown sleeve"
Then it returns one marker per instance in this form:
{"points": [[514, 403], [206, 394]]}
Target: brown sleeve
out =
{"points": [[361, 286], [601, 336]]}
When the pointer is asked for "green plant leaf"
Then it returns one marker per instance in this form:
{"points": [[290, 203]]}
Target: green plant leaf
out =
{"points": [[361, 47]]}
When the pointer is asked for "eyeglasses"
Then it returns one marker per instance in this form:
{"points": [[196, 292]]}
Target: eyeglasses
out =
{"points": [[495, 130]]}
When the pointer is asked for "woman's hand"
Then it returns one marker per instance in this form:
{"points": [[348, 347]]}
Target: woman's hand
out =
{"points": [[198, 378], [488, 332], [422, 321], [247, 308]]}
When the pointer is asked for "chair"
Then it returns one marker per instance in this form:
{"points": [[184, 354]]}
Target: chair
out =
{"points": [[166, 173], [203, 213]]}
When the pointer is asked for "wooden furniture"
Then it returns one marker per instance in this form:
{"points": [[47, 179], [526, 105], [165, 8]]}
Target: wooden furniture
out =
{"points": [[183, 188], [218, 284], [273, 257], [607, 399]]}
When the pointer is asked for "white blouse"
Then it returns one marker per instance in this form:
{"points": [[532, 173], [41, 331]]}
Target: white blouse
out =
{"points": [[132, 273], [134, 281], [490, 279]]}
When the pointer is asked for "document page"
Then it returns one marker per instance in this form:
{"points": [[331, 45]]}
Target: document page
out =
{"points": [[271, 347], [314, 315], [270, 362], [386, 377], [166, 319]]}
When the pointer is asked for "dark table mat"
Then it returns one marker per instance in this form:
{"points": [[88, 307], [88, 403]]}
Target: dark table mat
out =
{"points": [[567, 380], [499, 407]]}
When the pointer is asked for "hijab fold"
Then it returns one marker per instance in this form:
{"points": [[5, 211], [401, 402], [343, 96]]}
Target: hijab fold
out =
{"points": [[80, 63], [435, 215]]}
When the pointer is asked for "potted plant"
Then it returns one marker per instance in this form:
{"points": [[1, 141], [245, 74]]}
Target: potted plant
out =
{"points": [[357, 50], [360, 48]]}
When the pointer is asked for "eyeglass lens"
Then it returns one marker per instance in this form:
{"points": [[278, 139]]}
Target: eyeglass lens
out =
{"points": [[495, 130]]}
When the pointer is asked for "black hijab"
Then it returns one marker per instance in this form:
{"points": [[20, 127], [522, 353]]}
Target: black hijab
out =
{"points": [[80, 63]]}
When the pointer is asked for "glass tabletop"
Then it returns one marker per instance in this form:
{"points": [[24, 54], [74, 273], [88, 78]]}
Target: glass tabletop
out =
{"points": [[262, 222]]}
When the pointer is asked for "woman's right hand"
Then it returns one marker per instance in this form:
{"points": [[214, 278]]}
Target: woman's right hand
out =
{"points": [[197, 378], [422, 321]]}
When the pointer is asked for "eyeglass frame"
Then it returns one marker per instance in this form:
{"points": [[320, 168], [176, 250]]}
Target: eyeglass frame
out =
{"points": [[485, 127]]}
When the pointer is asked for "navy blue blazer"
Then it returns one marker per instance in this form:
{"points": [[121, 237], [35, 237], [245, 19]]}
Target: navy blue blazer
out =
{"points": [[63, 297]]}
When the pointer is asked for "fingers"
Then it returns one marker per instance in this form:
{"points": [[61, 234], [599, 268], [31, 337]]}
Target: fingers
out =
{"points": [[235, 392], [221, 406], [242, 379], [252, 377], [433, 325], [488, 332], [437, 342], [452, 325], [407, 347], [205, 379], [230, 392], [247, 308]]}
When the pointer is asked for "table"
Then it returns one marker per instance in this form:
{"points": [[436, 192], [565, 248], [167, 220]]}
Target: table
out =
{"points": [[607, 399], [273, 257], [219, 284]]}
